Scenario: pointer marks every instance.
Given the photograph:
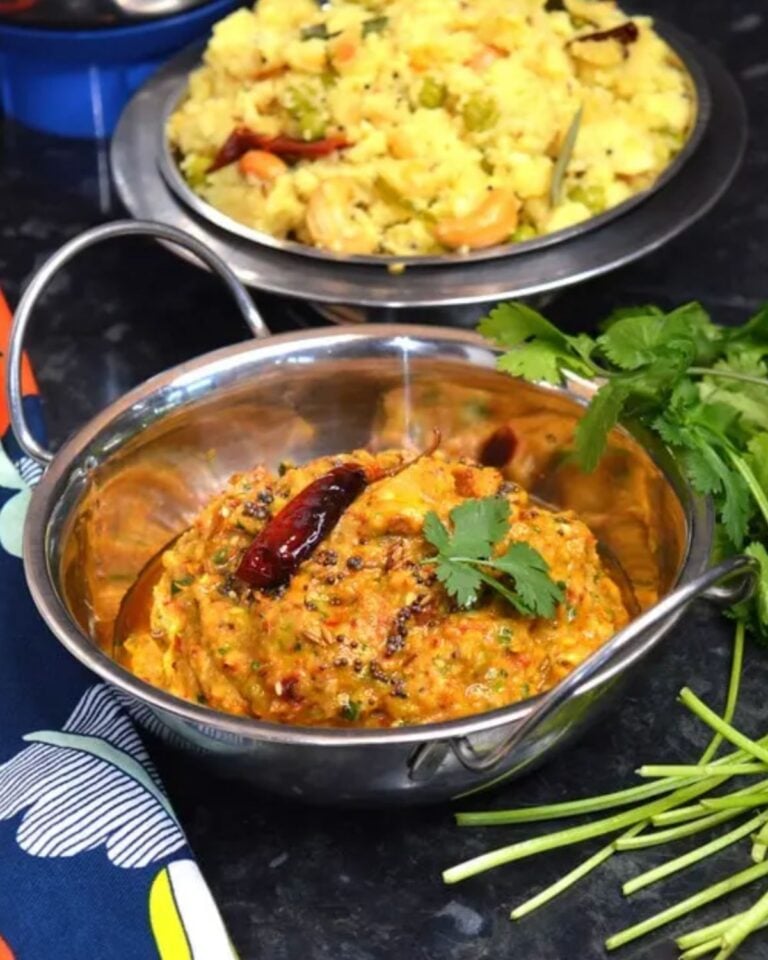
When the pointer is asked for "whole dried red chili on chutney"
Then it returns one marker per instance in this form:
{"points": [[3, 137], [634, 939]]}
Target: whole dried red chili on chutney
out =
{"points": [[294, 534]]}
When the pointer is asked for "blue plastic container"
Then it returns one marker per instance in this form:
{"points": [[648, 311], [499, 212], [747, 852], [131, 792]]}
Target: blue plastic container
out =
{"points": [[75, 83]]}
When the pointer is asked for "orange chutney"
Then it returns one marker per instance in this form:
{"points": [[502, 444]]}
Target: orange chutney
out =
{"points": [[364, 634]]}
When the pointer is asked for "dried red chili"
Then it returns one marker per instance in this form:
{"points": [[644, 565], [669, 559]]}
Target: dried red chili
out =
{"points": [[499, 448], [243, 139], [293, 535], [625, 33]]}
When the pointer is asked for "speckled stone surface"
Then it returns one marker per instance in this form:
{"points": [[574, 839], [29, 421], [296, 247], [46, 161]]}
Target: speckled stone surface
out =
{"points": [[295, 882]]}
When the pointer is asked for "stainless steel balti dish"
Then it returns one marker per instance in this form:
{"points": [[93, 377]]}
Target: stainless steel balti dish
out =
{"points": [[151, 459]]}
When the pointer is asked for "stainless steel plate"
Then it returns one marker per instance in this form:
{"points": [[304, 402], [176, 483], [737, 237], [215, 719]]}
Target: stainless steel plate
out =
{"points": [[662, 215], [173, 177]]}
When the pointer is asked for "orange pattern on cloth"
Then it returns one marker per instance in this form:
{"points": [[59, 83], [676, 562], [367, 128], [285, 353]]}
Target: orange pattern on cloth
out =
{"points": [[5, 951], [28, 383]]}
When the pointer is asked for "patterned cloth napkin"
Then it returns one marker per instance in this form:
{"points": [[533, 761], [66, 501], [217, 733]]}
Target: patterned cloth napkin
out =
{"points": [[93, 862]]}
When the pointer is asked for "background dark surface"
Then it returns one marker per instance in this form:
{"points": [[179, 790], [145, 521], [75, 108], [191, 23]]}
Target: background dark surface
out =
{"points": [[295, 882]]}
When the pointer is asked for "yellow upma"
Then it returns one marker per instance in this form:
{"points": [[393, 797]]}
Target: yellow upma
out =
{"points": [[409, 127]]}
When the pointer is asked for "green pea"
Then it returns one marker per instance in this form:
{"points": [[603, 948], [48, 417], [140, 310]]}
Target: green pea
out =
{"points": [[432, 94], [592, 197], [480, 113], [525, 231]]}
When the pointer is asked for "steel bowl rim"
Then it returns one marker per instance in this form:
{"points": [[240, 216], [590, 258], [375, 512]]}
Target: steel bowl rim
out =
{"points": [[698, 511], [675, 39]]}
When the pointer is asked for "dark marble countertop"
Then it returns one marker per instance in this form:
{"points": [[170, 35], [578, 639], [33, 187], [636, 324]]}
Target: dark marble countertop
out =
{"points": [[296, 882]]}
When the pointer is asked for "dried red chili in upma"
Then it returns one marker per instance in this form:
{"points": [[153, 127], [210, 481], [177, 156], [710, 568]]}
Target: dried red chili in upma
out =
{"points": [[364, 633]]}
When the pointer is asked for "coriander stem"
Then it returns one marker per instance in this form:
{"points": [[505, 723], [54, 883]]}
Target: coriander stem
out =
{"points": [[573, 808], [727, 375], [701, 810], [562, 838], [743, 802], [693, 856], [585, 867], [653, 770], [703, 712], [760, 845], [734, 682], [680, 815], [712, 931], [677, 833], [709, 946], [714, 892], [746, 924], [569, 808]]}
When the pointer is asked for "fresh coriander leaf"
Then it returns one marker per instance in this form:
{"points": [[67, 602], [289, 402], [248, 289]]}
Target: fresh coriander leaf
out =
{"points": [[461, 581], [736, 505], [633, 342], [692, 322], [538, 349], [638, 338], [755, 330], [755, 611], [539, 594], [464, 558], [602, 415], [671, 430], [620, 313], [757, 459], [533, 361], [744, 358], [716, 417], [435, 532], [477, 526], [750, 401], [510, 324], [584, 345], [758, 551], [705, 479]]}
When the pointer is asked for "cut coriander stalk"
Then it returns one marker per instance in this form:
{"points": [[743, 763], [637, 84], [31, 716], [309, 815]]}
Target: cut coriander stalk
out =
{"points": [[585, 867], [680, 909], [693, 856], [677, 833]]}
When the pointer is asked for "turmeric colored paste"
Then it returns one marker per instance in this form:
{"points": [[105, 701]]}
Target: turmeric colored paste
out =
{"points": [[363, 634]]}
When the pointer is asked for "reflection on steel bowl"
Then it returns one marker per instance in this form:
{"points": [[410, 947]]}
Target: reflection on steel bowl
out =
{"points": [[408, 128]]}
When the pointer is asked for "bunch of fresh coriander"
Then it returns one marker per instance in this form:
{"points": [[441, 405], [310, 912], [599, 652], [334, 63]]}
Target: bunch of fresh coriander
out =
{"points": [[703, 389], [700, 386]]}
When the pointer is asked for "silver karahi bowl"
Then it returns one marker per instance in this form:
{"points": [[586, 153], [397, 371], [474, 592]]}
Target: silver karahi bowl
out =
{"points": [[147, 463]]}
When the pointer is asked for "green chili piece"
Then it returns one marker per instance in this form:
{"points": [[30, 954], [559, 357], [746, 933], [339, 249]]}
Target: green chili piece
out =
{"points": [[350, 711], [432, 94], [375, 25]]}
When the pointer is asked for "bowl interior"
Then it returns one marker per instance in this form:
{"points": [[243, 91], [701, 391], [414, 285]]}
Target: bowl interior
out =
{"points": [[135, 477]]}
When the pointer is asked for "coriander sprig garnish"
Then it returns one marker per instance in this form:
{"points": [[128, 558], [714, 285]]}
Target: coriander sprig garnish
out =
{"points": [[465, 558]]}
